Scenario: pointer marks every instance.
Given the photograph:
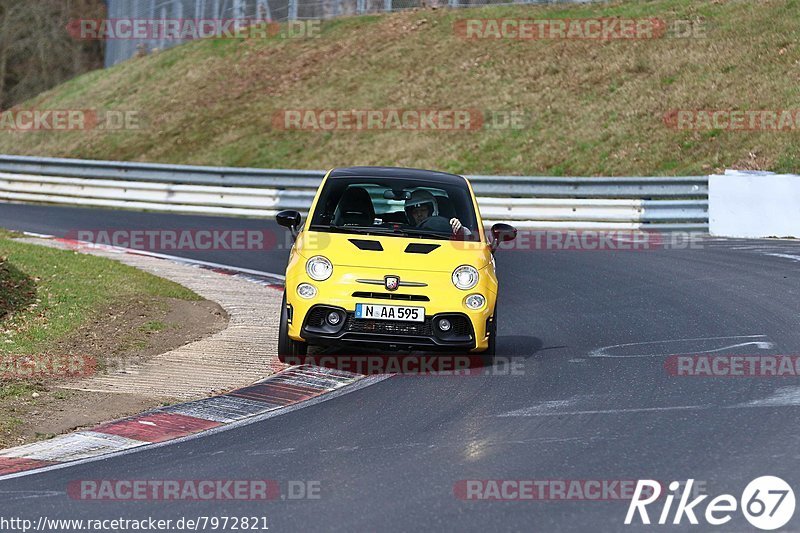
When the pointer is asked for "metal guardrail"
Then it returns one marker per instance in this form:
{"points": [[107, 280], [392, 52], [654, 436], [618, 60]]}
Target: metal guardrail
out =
{"points": [[630, 203]]}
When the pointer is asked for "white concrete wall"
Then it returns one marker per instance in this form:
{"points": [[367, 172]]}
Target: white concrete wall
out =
{"points": [[754, 204]]}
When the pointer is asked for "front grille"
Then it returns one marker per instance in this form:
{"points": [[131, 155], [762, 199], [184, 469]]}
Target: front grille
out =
{"points": [[391, 296], [387, 327]]}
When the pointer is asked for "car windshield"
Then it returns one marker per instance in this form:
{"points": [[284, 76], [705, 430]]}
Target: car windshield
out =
{"points": [[396, 207]]}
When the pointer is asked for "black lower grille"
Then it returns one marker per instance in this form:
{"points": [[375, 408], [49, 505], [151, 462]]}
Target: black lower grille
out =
{"points": [[460, 326], [316, 317], [387, 327]]}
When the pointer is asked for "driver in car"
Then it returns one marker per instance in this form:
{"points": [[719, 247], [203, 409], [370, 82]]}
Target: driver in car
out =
{"points": [[422, 205]]}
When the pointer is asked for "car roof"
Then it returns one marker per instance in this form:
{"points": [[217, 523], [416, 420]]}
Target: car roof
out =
{"points": [[430, 176]]}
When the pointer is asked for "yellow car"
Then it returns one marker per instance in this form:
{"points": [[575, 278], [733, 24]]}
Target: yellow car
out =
{"points": [[391, 259]]}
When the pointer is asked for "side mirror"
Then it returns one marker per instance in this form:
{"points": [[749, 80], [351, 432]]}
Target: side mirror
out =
{"points": [[502, 233], [289, 219]]}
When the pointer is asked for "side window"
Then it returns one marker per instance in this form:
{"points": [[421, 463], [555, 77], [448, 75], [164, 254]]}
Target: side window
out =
{"points": [[462, 207], [328, 202]]}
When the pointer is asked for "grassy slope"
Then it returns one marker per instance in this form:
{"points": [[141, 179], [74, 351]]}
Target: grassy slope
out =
{"points": [[69, 288], [597, 107]]}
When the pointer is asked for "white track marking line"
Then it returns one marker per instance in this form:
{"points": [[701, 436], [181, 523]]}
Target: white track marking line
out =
{"points": [[546, 407], [784, 256], [208, 264], [781, 397], [785, 400], [762, 345], [523, 413], [29, 494]]}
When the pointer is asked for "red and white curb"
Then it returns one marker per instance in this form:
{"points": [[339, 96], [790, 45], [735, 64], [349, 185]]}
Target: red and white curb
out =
{"points": [[280, 392]]}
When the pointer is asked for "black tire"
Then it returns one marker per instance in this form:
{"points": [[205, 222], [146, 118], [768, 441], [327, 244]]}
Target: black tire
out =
{"points": [[289, 351]]}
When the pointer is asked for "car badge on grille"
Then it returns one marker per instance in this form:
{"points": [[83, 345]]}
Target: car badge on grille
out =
{"points": [[391, 282]]}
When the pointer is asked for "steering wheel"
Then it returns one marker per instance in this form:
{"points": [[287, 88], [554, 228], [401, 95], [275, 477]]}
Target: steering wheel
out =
{"points": [[436, 223]]}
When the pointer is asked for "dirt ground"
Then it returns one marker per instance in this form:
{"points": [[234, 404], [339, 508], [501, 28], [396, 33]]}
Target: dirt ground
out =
{"points": [[122, 334]]}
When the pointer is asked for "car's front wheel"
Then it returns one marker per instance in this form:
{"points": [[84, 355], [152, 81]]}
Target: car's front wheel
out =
{"points": [[288, 348]]}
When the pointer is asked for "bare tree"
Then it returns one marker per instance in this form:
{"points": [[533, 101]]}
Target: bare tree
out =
{"points": [[36, 50]]}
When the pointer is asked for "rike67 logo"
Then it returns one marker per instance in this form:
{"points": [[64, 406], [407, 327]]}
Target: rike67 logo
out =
{"points": [[767, 503]]}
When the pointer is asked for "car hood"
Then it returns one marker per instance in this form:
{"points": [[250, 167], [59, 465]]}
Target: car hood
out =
{"points": [[398, 253]]}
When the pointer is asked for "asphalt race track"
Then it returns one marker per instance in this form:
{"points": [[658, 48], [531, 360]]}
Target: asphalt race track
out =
{"points": [[592, 399]]}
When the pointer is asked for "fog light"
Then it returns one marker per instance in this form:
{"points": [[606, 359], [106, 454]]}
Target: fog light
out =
{"points": [[475, 301], [306, 290], [334, 318], [444, 324]]}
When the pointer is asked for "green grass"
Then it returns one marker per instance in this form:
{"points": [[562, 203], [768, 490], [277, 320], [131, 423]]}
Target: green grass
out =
{"points": [[595, 107], [17, 290], [10, 424], [17, 390], [69, 289], [153, 326]]}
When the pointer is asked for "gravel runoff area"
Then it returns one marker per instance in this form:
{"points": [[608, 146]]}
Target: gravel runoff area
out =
{"points": [[241, 354]]}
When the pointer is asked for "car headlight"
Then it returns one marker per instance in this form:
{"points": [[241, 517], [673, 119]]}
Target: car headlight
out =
{"points": [[465, 277], [319, 268]]}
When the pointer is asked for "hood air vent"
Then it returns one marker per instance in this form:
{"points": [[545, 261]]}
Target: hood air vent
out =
{"points": [[420, 248], [364, 244]]}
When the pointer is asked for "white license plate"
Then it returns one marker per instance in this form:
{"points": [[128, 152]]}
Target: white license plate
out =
{"points": [[390, 312]]}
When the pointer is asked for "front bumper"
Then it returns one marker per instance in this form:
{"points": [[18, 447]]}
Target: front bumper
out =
{"points": [[439, 298], [389, 334]]}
